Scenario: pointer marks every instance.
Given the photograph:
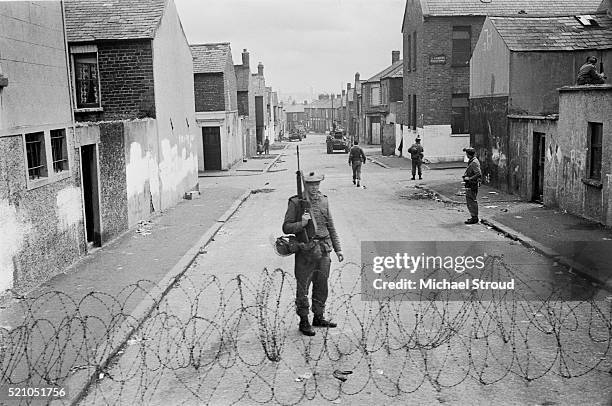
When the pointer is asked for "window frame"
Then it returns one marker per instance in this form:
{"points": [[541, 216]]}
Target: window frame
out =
{"points": [[75, 51], [371, 88], [461, 28], [593, 150], [409, 53], [414, 51], [466, 113], [52, 175]]}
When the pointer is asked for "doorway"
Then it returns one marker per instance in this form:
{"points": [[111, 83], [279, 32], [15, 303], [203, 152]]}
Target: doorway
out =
{"points": [[89, 176], [211, 140], [539, 158]]}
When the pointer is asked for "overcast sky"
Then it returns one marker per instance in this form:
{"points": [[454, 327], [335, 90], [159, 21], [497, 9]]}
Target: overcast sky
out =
{"points": [[317, 44]]}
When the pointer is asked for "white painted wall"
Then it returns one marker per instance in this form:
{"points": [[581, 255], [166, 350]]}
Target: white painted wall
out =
{"points": [[439, 144], [175, 109], [32, 56]]}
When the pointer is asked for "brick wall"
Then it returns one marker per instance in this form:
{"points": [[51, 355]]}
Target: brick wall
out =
{"points": [[243, 103], [209, 92], [434, 85], [126, 81]]}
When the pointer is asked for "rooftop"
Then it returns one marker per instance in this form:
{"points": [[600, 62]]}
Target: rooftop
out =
{"points": [[210, 58], [88, 20], [390, 70], [507, 7], [554, 33]]}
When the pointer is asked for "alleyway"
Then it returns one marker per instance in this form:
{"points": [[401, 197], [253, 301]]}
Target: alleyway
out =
{"points": [[227, 332]]}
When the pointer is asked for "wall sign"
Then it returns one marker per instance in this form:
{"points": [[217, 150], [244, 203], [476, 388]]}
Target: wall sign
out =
{"points": [[437, 59]]}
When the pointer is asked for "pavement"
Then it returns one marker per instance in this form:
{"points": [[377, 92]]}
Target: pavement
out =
{"points": [[254, 165], [404, 163], [119, 283]]}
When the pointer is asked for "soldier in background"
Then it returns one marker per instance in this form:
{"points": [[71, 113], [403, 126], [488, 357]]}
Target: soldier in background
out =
{"points": [[588, 75], [312, 262], [356, 159], [416, 155], [471, 177]]}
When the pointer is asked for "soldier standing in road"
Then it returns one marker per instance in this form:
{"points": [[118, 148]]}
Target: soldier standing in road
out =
{"points": [[471, 177], [356, 159], [416, 155], [312, 261], [266, 146]]}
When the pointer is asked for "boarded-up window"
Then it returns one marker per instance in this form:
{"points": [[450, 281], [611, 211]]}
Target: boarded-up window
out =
{"points": [[461, 45], [375, 95], [414, 51], [409, 53], [595, 135], [414, 112], [460, 114], [86, 80]]}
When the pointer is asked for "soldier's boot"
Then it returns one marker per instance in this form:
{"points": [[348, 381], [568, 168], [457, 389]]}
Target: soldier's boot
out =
{"points": [[353, 181], [472, 220], [420, 177], [413, 178], [319, 321], [305, 327], [357, 183]]}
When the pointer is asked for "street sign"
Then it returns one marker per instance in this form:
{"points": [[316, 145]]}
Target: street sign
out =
{"points": [[437, 59]]}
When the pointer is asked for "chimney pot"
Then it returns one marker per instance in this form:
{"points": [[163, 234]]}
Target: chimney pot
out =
{"points": [[395, 56], [357, 77], [245, 57], [260, 69]]}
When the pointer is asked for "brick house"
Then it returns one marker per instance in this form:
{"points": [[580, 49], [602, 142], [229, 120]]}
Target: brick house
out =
{"points": [[381, 93], [295, 116], [246, 103], [320, 114], [516, 69], [439, 37], [222, 140], [136, 131], [41, 214]]}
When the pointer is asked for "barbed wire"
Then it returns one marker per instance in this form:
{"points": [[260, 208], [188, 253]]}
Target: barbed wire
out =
{"points": [[216, 339]]}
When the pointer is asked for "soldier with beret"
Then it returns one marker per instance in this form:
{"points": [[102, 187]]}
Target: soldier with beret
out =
{"points": [[416, 156], [471, 177], [312, 262]]}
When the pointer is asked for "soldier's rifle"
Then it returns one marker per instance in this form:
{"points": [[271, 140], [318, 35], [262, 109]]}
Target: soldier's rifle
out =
{"points": [[305, 205]]}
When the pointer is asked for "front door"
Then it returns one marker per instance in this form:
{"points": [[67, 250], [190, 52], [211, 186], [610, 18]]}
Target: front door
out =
{"points": [[539, 157], [211, 140], [89, 177]]}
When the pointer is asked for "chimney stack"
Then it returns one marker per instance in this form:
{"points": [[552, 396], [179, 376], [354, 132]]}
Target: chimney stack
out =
{"points": [[348, 86], [356, 78], [260, 69], [343, 92], [245, 58], [395, 56]]}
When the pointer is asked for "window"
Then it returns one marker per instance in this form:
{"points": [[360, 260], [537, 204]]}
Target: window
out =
{"points": [[409, 111], [414, 51], [460, 114], [86, 80], [595, 136], [36, 153], [461, 45], [375, 95], [59, 150], [409, 53]]}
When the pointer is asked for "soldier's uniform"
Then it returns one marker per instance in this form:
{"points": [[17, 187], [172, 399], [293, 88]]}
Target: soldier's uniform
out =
{"points": [[313, 263], [416, 156], [473, 173]]}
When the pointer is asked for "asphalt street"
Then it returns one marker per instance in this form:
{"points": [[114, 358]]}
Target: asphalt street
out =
{"points": [[227, 333]]}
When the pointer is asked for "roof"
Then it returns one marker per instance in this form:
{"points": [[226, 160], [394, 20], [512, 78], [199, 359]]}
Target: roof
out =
{"points": [[294, 108], [243, 78], [386, 71], [397, 71], [507, 7], [554, 33], [323, 104], [90, 20], [210, 58]]}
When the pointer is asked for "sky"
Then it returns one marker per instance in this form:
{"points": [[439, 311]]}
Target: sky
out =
{"points": [[308, 46]]}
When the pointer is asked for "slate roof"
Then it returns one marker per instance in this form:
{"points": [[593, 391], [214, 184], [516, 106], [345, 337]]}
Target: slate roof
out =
{"points": [[386, 71], [294, 108], [90, 20], [210, 58], [507, 7], [397, 71], [554, 33]]}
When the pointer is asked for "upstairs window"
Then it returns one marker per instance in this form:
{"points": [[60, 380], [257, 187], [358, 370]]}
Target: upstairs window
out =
{"points": [[375, 95], [37, 155], [460, 119], [86, 80], [409, 53], [595, 132], [414, 51], [462, 39]]}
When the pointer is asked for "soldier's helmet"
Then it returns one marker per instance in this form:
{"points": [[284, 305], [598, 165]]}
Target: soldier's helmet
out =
{"points": [[313, 177], [282, 246]]}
